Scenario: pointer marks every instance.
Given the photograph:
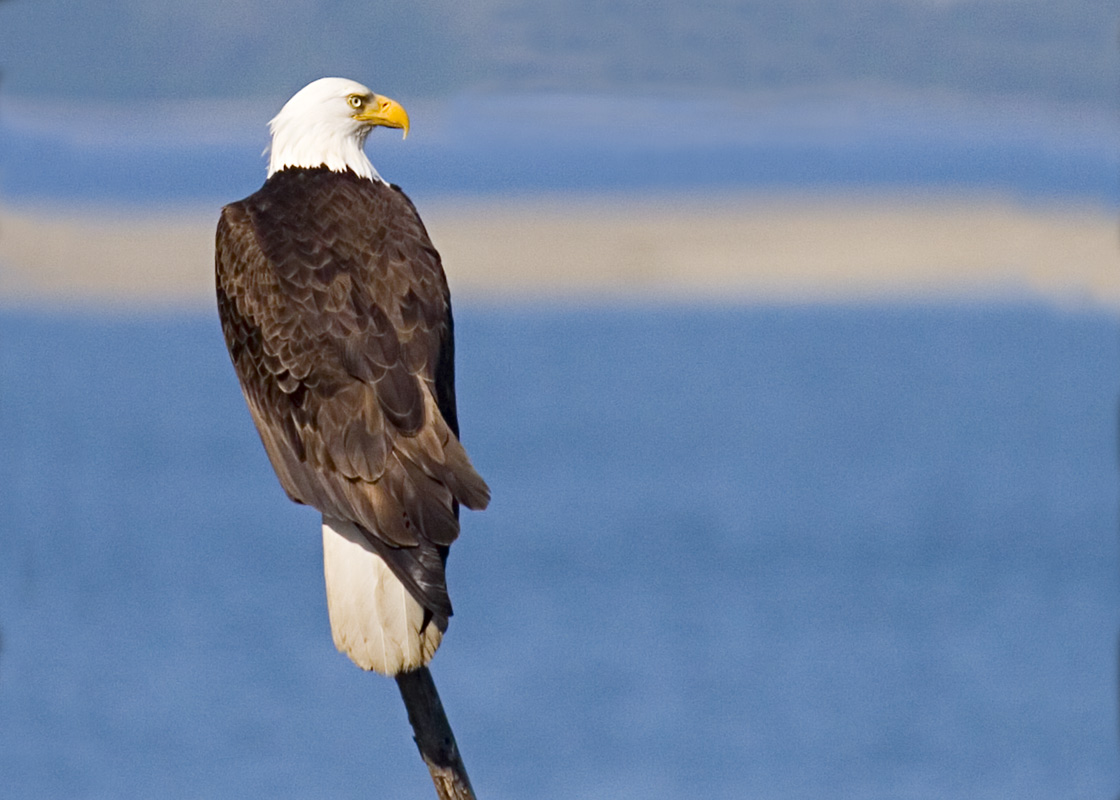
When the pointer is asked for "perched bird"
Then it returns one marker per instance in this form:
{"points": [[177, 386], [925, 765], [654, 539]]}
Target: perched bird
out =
{"points": [[337, 316]]}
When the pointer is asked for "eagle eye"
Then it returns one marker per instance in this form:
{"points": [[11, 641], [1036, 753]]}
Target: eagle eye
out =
{"points": [[355, 101]]}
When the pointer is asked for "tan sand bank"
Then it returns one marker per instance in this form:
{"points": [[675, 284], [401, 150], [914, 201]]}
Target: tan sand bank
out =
{"points": [[834, 248]]}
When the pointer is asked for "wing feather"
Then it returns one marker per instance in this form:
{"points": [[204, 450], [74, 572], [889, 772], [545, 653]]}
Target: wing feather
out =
{"points": [[336, 312]]}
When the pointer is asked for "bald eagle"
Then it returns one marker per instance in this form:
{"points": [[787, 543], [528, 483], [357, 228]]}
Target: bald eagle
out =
{"points": [[336, 312]]}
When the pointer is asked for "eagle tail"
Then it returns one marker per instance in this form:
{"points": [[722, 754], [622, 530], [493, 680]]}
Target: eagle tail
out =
{"points": [[374, 618]]}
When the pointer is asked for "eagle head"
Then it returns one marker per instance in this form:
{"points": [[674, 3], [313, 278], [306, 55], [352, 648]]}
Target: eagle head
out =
{"points": [[325, 124]]}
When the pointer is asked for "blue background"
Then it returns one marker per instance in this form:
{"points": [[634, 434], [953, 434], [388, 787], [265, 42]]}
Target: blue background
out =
{"points": [[856, 551], [862, 551]]}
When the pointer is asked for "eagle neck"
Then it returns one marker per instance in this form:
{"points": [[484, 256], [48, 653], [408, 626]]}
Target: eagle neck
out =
{"points": [[321, 145]]}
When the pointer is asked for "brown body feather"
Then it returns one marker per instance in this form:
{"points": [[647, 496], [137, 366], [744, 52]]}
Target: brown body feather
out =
{"points": [[335, 308]]}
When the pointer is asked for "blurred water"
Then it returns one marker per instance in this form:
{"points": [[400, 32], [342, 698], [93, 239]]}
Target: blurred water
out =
{"points": [[781, 552], [155, 154]]}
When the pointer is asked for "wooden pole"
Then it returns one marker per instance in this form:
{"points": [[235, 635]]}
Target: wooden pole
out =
{"points": [[433, 735]]}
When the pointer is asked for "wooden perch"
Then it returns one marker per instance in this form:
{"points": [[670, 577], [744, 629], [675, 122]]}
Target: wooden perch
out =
{"points": [[433, 735]]}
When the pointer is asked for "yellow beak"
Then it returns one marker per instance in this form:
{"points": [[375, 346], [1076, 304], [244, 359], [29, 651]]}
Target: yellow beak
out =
{"points": [[383, 111]]}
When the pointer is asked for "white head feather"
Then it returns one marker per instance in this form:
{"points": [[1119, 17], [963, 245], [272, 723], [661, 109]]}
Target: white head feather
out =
{"points": [[317, 128]]}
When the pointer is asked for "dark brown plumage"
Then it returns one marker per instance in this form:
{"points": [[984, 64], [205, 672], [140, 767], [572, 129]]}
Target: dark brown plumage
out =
{"points": [[336, 312]]}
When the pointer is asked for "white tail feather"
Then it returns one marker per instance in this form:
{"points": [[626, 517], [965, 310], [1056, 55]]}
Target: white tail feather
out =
{"points": [[374, 620]]}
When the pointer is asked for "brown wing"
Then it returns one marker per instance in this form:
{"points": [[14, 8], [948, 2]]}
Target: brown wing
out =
{"points": [[336, 312]]}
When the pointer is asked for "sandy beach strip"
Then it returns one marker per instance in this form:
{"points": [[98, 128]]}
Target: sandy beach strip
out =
{"points": [[762, 248]]}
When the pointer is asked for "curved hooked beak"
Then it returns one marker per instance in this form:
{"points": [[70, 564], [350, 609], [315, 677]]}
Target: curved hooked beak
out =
{"points": [[382, 111]]}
